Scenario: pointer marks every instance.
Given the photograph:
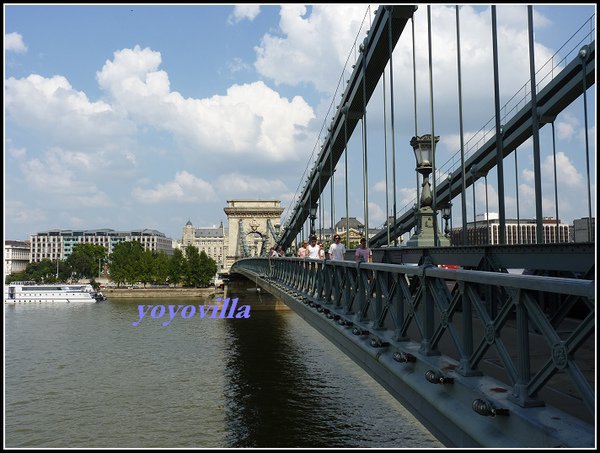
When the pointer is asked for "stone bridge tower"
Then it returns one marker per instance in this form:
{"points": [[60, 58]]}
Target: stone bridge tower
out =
{"points": [[253, 225]]}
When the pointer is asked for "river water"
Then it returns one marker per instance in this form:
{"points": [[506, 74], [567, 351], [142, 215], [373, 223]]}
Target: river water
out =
{"points": [[83, 376]]}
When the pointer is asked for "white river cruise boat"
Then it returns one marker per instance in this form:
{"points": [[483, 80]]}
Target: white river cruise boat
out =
{"points": [[30, 292]]}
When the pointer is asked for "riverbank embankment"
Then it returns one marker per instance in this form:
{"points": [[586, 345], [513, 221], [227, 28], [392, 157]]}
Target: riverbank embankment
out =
{"points": [[140, 293]]}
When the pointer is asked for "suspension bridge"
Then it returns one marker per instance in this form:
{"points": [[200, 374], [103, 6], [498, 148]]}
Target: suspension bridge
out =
{"points": [[482, 355]]}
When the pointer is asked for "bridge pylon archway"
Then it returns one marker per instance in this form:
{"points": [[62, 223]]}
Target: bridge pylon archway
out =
{"points": [[251, 228]]}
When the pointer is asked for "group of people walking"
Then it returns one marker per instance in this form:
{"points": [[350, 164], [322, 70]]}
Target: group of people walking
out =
{"points": [[337, 250]]}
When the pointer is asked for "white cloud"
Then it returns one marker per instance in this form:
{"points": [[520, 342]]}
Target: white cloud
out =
{"points": [[476, 56], [566, 173], [185, 188], [238, 65], [379, 186], [238, 185], [312, 46], [406, 198], [287, 198], [63, 116], [571, 185], [64, 173], [23, 214], [248, 119], [241, 12], [567, 126], [528, 175], [17, 153], [376, 215], [480, 196], [13, 42]]}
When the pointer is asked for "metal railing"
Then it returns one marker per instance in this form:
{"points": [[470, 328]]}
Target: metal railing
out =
{"points": [[464, 315]]}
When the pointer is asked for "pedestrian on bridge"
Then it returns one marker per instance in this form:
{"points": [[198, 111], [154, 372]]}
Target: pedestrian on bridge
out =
{"points": [[313, 249], [363, 253], [321, 251], [302, 252], [337, 249]]}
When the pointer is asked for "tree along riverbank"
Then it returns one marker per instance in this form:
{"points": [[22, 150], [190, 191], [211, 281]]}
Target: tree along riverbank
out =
{"points": [[160, 292]]}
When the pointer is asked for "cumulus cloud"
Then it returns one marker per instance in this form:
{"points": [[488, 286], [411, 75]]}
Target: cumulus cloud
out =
{"points": [[241, 12], [310, 47], [249, 118], [63, 173], [379, 186], [477, 54], [287, 198], [376, 215], [17, 153], [406, 198], [239, 185], [312, 44], [570, 183], [185, 188], [567, 126], [65, 117], [23, 214], [238, 65], [566, 173], [13, 42]]}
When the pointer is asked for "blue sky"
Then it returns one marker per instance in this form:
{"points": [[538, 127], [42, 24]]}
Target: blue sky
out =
{"points": [[145, 116]]}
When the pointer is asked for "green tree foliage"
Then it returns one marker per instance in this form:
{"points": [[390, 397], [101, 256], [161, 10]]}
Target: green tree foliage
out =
{"points": [[177, 266], [146, 267], [161, 268], [208, 268], [128, 263], [42, 271], [86, 260], [17, 277], [192, 269], [124, 262]]}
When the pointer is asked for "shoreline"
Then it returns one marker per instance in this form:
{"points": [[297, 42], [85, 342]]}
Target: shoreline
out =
{"points": [[141, 293]]}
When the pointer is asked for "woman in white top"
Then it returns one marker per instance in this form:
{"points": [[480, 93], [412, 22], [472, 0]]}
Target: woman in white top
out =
{"points": [[321, 251]]}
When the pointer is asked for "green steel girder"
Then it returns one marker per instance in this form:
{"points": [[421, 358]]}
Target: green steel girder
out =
{"points": [[384, 295], [364, 78], [577, 258], [565, 88]]}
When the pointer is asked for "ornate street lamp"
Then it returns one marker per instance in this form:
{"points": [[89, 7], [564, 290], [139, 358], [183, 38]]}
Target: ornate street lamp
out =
{"points": [[424, 236], [446, 214], [313, 216]]}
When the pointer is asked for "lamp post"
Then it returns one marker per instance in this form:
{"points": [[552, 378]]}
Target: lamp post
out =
{"points": [[313, 216], [424, 236], [446, 214]]}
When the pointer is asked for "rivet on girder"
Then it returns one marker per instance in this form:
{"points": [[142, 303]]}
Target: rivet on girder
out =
{"points": [[435, 377]]}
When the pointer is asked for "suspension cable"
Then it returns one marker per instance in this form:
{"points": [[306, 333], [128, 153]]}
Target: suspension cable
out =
{"points": [[387, 205], [463, 194], [390, 52], [434, 196]]}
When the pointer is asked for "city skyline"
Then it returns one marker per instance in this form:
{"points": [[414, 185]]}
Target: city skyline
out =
{"points": [[144, 116]]}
